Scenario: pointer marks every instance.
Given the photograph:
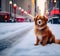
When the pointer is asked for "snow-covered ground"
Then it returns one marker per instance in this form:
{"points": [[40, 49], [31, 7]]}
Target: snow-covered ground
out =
{"points": [[8, 29], [26, 47], [11, 32]]}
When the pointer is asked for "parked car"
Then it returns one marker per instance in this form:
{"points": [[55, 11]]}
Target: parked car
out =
{"points": [[4, 16], [54, 20], [54, 16], [20, 19]]}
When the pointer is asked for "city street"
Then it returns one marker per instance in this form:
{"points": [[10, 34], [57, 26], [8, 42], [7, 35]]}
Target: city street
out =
{"points": [[20, 40], [17, 19]]}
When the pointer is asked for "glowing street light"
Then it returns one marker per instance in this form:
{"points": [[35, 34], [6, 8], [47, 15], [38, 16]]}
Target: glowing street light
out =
{"points": [[25, 12], [10, 3], [14, 6], [54, 1], [19, 8], [22, 11]]}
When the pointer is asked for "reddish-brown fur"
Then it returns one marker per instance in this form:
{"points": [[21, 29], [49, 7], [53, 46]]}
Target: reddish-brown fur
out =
{"points": [[45, 32]]}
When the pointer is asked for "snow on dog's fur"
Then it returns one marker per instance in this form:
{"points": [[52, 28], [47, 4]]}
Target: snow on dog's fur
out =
{"points": [[43, 33]]}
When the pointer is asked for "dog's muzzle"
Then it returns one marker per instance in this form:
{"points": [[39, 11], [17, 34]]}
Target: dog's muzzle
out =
{"points": [[39, 22]]}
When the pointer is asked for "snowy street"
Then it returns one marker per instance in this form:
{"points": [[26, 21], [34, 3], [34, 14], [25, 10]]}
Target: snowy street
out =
{"points": [[17, 39], [10, 33], [17, 32]]}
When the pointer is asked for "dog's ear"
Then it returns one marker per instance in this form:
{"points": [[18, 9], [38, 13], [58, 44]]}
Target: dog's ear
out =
{"points": [[45, 18], [36, 17]]}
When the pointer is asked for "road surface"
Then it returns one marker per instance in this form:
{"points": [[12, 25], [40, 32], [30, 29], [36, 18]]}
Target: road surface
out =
{"points": [[24, 46]]}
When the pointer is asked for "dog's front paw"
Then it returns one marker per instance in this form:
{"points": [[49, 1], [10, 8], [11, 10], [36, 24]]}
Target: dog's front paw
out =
{"points": [[36, 44], [43, 44]]}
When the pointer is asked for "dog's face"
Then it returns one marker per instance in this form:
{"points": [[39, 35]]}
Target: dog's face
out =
{"points": [[40, 21]]}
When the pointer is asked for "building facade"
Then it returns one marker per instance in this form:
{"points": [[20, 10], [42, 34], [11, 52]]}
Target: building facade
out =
{"points": [[50, 5], [0, 5], [27, 5]]}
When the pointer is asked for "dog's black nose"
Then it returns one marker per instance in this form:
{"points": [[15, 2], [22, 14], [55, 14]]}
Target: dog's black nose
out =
{"points": [[39, 22]]}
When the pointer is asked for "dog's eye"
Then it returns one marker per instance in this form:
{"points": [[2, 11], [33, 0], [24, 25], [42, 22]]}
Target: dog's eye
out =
{"points": [[39, 22]]}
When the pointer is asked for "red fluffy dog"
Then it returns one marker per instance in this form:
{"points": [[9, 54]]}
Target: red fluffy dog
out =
{"points": [[43, 34]]}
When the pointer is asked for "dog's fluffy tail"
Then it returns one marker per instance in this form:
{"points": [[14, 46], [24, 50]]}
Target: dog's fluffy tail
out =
{"points": [[57, 41]]}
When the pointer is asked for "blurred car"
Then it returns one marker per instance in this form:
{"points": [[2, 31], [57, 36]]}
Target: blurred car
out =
{"points": [[54, 16], [54, 19], [4, 16], [20, 19]]}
